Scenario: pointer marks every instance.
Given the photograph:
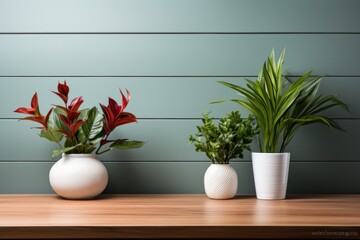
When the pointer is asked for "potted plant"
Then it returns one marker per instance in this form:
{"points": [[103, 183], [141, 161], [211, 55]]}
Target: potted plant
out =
{"points": [[221, 143], [78, 133], [281, 106]]}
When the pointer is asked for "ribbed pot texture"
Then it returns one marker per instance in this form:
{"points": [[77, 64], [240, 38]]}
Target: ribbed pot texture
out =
{"points": [[270, 174]]}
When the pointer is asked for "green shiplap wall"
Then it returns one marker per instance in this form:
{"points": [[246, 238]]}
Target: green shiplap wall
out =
{"points": [[170, 55]]}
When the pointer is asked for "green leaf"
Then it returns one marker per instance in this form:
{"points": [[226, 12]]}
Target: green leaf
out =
{"points": [[69, 143], [126, 144], [58, 123], [218, 101], [83, 114], [92, 126], [225, 141], [89, 149], [280, 105], [59, 111], [63, 150], [51, 135]]}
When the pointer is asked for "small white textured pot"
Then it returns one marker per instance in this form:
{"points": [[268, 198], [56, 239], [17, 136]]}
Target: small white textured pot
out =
{"points": [[78, 176], [270, 174], [220, 181]]}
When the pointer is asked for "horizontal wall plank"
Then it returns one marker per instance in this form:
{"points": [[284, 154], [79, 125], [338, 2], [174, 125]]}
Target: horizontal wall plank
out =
{"points": [[309, 178], [167, 140], [169, 16], [174, 55], [158, 97]]}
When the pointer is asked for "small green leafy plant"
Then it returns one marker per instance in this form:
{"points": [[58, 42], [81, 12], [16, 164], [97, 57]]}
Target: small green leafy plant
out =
{"points": [[282, 106], [76, 130], [226, 141]]}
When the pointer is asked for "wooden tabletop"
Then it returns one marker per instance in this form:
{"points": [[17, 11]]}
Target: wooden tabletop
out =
{"points": [[179, 216]]}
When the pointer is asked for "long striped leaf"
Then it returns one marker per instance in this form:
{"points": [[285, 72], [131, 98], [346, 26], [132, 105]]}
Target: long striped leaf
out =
{"points": [[281, 106]]}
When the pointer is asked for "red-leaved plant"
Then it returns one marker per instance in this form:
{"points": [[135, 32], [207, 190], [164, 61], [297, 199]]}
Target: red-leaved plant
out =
{"points": [[81, 131]]}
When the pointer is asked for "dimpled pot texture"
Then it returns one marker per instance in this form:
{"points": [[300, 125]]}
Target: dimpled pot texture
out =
{"points": [[220, 181]]}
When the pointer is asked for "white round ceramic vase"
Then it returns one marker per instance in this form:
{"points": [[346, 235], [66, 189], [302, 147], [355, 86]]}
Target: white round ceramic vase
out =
{"points": [[220, 181], [270, 174], [78, 176]]}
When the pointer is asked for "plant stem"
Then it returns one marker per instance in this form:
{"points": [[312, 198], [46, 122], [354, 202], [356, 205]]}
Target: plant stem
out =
{"points": [[100, 145], [259, 142], [77, 143], [282, 148], [97, 151]]}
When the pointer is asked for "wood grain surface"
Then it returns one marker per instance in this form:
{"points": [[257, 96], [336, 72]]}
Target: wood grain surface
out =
{"points": [[179, 216]]}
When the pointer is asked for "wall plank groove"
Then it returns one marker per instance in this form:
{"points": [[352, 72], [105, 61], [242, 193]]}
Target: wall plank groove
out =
{"points": [[169, 16], [163, 55]]}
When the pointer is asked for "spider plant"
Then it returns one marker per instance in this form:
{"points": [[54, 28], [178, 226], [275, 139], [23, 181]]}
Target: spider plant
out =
{"points": [[281, 106]]}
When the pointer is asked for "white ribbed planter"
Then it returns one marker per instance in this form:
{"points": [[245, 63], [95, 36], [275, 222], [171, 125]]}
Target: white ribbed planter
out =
{"points": [[78, 176], [270, 174], [220, 181]]}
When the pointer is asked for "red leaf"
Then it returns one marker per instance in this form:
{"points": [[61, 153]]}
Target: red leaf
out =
{"points": [[125, 118], [63, 89], [34, 101], [25, 110], [114, 107], [75, 104], [74, 127], [38, 119], [63, 97], [109, 118], [69, 126], [125, 100], [35, 105], [64, 132], [65, 120], [62, 108], [33, 110], [106, 128], [114, 115], [72, 116], [46, 119]]}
